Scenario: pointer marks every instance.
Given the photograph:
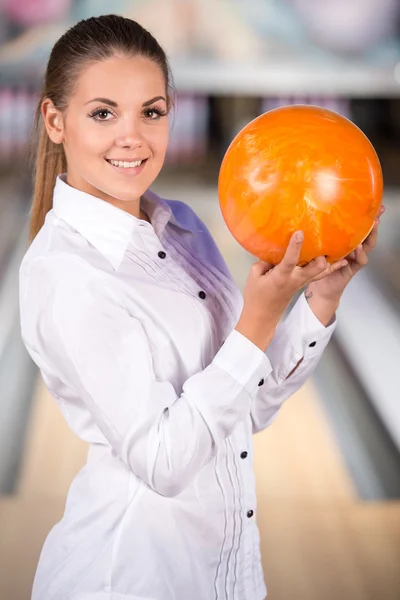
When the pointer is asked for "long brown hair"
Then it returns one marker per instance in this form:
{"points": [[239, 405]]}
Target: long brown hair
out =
{"points": [[94, 39]]}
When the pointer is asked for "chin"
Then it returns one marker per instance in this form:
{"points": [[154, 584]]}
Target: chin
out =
{"points": [[130, 196], [125, 191], [123, 195]]}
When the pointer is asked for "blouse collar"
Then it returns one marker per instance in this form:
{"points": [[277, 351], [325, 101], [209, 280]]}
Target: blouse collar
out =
{"points": [[109, 228]]}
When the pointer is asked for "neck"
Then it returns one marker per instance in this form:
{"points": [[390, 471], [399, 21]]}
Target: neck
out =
{"points": [[132, 206], [144, 216]]}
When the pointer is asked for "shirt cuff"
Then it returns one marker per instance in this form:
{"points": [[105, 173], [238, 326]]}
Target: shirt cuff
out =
{"points": [[243, 361], [308, 336]]}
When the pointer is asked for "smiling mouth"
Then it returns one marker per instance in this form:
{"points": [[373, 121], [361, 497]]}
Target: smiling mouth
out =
{"points": [[125, 164]]}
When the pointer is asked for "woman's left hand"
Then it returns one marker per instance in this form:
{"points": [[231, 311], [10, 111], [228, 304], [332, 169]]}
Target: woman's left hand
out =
{"points": [[332, 285]]}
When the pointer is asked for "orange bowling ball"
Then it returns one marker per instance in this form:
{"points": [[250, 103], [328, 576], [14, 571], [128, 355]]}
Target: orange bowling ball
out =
{"points": [[300, 167]]}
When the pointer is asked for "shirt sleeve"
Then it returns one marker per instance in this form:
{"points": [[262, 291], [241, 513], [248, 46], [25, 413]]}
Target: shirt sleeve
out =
{"points": [[293, 354], [78, 331]]}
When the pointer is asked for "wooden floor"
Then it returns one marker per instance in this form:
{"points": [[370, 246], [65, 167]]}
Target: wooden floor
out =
{"points": [[318, 541]]}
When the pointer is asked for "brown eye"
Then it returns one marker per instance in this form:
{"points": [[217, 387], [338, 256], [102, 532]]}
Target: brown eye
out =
{"points": [[101, 114], [154, 113]]}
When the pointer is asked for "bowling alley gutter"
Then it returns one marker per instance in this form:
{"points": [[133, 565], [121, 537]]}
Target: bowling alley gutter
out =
{"points": [[17, 373]]}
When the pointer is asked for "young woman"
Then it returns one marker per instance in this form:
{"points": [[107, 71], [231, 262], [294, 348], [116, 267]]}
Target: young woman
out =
{"points": [[145, 342]]}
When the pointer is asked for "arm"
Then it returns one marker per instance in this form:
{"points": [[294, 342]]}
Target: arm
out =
{"points": [[293, 360], [294, 353], [306, 322], [76, 330]]}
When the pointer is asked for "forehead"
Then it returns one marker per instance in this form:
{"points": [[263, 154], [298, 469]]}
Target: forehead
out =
{"points": [[120, 77]]}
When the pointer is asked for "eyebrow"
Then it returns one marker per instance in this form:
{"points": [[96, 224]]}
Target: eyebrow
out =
{"points": [[115, 105]]}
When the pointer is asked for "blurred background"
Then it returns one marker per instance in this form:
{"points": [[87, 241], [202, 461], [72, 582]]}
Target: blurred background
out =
{"points": [[328, 470]]}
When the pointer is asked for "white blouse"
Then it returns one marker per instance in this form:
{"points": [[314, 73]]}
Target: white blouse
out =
{"points": [[132, 327]]}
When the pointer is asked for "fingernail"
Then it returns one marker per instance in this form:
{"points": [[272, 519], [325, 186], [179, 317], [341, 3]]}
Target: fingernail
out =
{"points": [[299, 236]]}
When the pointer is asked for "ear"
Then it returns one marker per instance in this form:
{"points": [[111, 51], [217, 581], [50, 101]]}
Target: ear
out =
{"points": [[53, 121]]}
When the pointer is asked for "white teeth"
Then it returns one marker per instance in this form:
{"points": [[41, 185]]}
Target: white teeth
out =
{"points": [[124, 164]]}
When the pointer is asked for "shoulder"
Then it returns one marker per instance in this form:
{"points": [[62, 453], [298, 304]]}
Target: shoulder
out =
{"points": [[63, 291], [55, 267], [59, 278]]}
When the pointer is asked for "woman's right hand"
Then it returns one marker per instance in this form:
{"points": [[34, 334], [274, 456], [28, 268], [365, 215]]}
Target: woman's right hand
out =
{"points": [[269, 290]]}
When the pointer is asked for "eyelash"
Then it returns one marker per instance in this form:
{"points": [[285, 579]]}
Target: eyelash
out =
{"points": [[157, 111]]}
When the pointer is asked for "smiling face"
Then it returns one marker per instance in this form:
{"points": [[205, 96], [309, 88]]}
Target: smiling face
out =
{"points": [[114, 129]]}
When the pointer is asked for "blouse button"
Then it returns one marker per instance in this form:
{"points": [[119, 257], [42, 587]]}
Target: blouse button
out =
{"points": [[202, 295], [244, 454], [261, 382], [162, 254], [250, 513]]}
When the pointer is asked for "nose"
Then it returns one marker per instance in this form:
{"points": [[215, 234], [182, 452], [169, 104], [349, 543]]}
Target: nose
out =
{"points": [[129, 134]]}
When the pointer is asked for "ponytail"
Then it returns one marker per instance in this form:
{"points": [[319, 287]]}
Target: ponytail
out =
{"points": [[49, 162]]}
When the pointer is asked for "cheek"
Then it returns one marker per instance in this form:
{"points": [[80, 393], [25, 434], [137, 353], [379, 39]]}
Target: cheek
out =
{"points": [[158, 138], [97, 140], [84, 139]]}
